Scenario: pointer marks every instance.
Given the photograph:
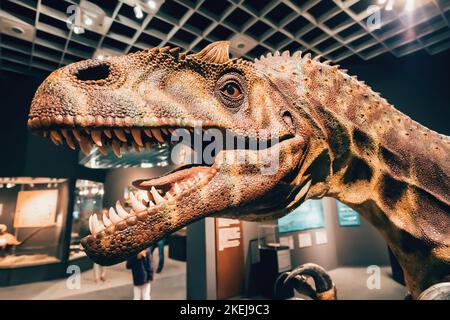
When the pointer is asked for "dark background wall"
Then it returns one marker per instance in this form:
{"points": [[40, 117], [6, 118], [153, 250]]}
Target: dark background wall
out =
{"points": [[357, 245], [417, 85], [23, 153]]}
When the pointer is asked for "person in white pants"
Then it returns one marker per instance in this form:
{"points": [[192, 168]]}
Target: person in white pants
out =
{"points": [[99, 273], [142, 271]]}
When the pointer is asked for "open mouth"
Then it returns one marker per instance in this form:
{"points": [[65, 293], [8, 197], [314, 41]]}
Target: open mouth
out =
{"points": [[154, 195]]}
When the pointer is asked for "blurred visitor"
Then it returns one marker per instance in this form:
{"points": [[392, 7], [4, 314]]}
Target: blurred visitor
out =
{"points": [[142, 270], [160, 246], [99, 273]]}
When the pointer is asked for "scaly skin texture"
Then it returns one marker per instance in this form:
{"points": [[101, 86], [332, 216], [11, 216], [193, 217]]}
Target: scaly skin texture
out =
{"points": [[337, 138]]}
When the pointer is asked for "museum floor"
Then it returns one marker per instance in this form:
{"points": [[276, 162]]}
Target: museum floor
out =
{"points": [[171, 284]]}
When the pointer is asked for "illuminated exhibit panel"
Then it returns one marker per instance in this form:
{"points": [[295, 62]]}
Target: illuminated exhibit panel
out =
{"points": [[33, 215]]}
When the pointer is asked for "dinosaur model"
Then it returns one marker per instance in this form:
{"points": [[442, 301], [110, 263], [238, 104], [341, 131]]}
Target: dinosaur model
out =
{"points": [[334, 137]]}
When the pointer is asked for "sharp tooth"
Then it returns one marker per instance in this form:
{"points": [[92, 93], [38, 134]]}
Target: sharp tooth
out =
{"points": [[304, 190], [68, 139], [76, 134], [137, 136], [116, 148], [106, 221], [120, 135], [136, 147], [55, 135], [103, 150], [144, 196], [85, 145], [97, 225], [125, 146], [157, 134], [151, 204], [108, 133], [56, 142], [156, 196], [169, 196], [121, 211], [136, 204], [96, 136], [177, 188], [113, 216], [91, 228], [148, 132], [164, 130]]}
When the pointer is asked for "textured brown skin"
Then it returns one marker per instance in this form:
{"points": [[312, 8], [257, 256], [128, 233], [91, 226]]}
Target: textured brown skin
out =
{"points": [[351, 143]]}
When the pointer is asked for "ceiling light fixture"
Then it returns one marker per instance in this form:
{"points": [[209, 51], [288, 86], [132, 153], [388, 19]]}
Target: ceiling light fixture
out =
{"points": [[78, 30], [410, 5], [138, 12], [88, 21], [389, 5], [151, 4], [17, 30]]}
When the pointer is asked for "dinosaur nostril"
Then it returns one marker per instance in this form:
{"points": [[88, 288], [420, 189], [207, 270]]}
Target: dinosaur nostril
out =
{"points": [[97, 72], [287, 117]]}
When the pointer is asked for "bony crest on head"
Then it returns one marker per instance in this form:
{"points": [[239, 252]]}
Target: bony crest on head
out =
{"points": [[215, 53]]}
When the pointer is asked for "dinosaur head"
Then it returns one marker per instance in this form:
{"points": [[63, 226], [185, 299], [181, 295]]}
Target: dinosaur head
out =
{"points": [[159, 96]]}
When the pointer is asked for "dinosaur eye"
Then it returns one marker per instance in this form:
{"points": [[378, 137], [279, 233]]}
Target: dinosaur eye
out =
{"points": [[231, 90]]}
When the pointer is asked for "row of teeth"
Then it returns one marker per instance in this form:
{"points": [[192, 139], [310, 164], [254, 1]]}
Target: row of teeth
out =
{"points": [[141, 202], [116, 138]]}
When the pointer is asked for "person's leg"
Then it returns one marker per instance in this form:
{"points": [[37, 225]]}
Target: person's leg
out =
{"points": [[146, 290], [96, 272], [103, 273], [161, 256], [137, 293]]}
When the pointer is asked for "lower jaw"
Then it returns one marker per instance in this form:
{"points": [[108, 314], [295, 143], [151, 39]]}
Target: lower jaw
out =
{"points": [[145, 224]]}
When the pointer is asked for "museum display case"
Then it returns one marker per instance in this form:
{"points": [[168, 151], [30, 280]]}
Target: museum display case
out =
{"points": [[268, 236], [40, 229], [34, 213]]}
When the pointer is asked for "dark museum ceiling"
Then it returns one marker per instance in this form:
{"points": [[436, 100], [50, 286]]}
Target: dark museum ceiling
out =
{"points": [[35, 37]]}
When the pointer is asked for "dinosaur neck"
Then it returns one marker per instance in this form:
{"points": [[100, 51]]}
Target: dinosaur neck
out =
{"points": [[375, 159]]}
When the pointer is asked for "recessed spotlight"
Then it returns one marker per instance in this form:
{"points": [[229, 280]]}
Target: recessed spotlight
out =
{"points": [[241, 45], [389, 5], [151, 4], [410, 5], [17, 30], [78, 30], [88, 21], [138, 12]]}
